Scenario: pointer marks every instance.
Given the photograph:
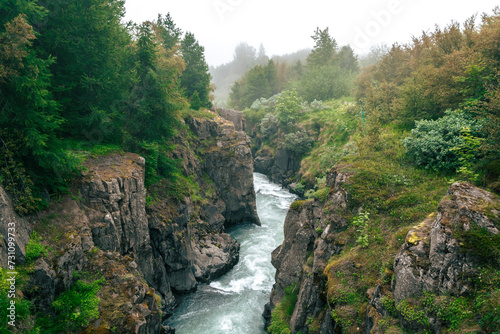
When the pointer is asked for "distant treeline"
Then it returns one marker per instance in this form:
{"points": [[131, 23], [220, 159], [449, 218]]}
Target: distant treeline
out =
{"points": [[246, 57], [328, 72]]}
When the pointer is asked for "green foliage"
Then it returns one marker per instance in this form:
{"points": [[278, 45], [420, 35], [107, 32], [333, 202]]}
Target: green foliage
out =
{"points": [[436, 144], [452, 311], [297, 205], [76, 307], [288, 107], [29, 121], [324, 50], [299, 142], [467, 153], [196, 78], [361, 223], [269, 125], [412, 313], [325, 83], [15, 179], [389, 305], [282, 313], [35, 249], [158, 164], [480, 243], [195, 101], [93, 74], [259, 82], [24, 319]]}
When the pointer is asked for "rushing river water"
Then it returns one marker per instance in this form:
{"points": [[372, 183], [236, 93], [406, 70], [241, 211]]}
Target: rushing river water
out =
{"points": [[234, 303]]}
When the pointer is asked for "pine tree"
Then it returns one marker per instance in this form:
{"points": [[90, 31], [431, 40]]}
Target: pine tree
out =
{"points": [[30, 156], [92, 76], [195, 101], [196, 77], [156, 98], [324, 50]]}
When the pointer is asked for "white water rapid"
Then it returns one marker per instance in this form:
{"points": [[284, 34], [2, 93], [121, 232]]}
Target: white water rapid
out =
{"points": [[234, 303]]}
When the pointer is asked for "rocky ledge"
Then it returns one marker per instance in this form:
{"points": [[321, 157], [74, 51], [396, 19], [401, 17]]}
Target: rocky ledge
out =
{"points": [[146, 253]]}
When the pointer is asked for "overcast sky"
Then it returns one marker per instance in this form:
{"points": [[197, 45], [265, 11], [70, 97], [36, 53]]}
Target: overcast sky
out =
{"points": [[284, 26]]}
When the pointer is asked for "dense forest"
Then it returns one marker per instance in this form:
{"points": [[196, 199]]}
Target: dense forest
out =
{"points": [[410, 119], [74, 77]]}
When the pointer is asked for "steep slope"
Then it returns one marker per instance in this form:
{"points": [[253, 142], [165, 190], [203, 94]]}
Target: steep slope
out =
{"points": [[443, 279], [142, 246]]}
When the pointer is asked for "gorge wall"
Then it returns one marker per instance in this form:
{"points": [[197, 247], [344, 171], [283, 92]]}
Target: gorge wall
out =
{"points": [[441, 263], [147, 244]]}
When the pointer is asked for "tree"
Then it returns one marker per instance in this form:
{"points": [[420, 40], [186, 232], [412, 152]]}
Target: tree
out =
{"points": [[195, 101], [157, 97], [92, 75], [288, 107], [347, 60], [196, 77], [324, 50], [167, 31], [30, 153]]}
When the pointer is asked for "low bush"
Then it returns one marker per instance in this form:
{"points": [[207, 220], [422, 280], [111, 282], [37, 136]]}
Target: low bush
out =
{"points": [[433, 143]]}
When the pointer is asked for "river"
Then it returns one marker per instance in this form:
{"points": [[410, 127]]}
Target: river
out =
{"points": [[233, 304]]}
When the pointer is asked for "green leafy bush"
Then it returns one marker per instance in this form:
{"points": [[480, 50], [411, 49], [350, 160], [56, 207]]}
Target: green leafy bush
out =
{"points": [[288, 107], [361, 222], [299, 142], [269, 125], [77, 306], [432, 143]]}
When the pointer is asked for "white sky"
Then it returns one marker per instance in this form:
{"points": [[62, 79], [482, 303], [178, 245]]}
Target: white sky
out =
{"points": [[284, 26]]}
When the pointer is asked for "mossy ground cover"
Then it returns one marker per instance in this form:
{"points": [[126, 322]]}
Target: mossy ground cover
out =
{"points": [[397, 196]]}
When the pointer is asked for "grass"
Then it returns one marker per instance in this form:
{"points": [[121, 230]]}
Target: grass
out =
{"points": [[282, 313]]}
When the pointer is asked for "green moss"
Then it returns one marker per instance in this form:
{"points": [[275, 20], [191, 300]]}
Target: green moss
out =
{"points": [[412, 313], [297, 205], [480, 243]]}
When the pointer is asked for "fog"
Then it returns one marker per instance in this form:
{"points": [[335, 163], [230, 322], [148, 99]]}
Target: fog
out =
{"points": [[286, 26]]}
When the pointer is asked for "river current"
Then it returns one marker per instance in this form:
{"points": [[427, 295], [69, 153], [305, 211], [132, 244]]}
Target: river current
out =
{"points": [[233, 304]]}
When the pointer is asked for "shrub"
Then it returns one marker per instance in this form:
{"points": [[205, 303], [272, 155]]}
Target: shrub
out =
{"points": [[269, 124], [282, 313], [299, 142], [361, 223], [288, 107], [77, 306], [34, 248], [432, 143], [317, 105]]}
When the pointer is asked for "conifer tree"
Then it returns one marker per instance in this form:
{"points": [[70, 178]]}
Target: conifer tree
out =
{"points": [[196, 77]]}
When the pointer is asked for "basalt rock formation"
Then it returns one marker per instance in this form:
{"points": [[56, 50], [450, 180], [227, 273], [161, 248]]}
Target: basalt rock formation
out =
{"points": [[147, 253]]}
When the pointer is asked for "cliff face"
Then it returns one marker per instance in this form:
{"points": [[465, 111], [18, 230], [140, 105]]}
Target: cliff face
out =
{"points": [[441, 263], [146, 253], [310, 241], [280, 167]]}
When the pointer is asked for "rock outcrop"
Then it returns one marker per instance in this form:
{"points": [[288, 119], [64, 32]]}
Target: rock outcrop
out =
{"points": [[146, 253], [228, 162], [435, 258], [280, 166], [234, 116], [442, 258], [443, 254], [309, 243]]}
